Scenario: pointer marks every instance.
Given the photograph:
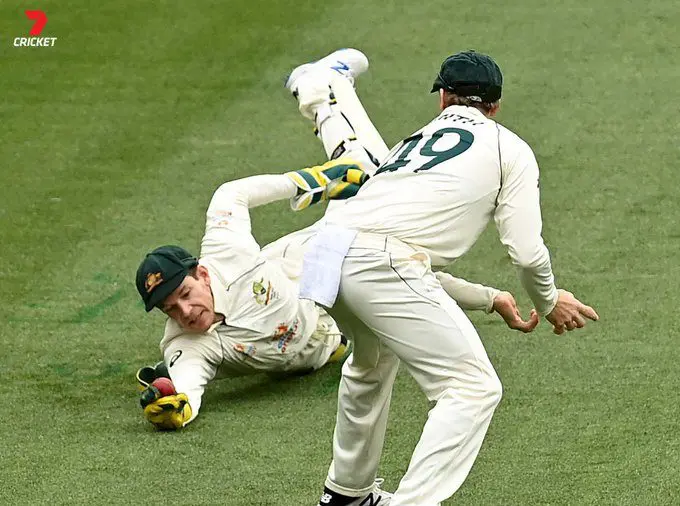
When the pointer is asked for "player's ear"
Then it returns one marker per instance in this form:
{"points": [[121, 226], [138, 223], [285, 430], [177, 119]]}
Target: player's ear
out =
{"points": [[494, 110], [203, 274]]}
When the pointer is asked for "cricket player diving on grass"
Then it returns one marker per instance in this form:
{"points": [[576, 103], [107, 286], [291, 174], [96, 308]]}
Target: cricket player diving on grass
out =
{"points": [[371, 261], [235, 311]]}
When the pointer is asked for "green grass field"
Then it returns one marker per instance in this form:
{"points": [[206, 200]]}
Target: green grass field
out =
{"points": [[113, 141]]}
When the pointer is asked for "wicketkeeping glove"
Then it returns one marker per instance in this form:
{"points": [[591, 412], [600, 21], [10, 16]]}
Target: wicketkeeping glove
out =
{"points": [[149, 373], [169, 413], [334, 180]]}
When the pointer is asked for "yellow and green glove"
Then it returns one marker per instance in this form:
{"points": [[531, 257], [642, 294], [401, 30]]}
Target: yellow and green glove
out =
{"points": [[149, 373], [334, 180], [169, 413]]}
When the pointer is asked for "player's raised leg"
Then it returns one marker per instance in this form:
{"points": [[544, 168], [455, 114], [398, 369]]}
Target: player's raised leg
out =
{"points": [[352, 109], [325, 93]]}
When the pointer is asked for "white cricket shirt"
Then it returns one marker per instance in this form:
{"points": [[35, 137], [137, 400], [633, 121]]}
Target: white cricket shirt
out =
{"points": [[265, 325], [438, 189]]}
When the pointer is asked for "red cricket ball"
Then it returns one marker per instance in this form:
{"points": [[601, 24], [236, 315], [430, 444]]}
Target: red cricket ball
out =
{"points": [[164, 386]]}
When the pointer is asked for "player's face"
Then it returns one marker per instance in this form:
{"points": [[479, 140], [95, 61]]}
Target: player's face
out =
{"points": [[191, 304]]}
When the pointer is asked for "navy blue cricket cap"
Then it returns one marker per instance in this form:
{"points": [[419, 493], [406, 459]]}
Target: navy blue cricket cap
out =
{"points": [[161, 272], [470, 74]]}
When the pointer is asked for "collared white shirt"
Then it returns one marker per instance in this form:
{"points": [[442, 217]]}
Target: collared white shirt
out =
{"points": [[265, 325], [438, 189]]}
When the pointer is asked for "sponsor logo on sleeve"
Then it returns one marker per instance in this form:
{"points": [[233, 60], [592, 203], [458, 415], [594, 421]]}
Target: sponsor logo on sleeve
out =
{"points": [[246, 349], [221, 219], [175, 357]]}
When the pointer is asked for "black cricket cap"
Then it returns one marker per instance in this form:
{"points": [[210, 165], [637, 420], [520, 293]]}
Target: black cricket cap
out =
{"points": [[470, 74], [161, 272]]}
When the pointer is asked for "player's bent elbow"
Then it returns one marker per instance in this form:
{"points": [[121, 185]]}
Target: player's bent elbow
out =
{"points": [[225, 195], [532, 259]]}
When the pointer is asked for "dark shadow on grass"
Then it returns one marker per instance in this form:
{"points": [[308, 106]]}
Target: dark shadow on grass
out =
{"points": [[251, 392], [262, 388]]}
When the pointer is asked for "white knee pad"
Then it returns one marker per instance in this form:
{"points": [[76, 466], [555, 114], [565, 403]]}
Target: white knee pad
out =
{"points": [[339, 138]]}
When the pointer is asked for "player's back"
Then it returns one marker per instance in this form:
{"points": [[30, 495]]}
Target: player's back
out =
{"points": [[437, 189]]}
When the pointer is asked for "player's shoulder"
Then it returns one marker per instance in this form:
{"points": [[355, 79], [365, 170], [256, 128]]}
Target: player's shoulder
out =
{"points": [[512, 137], [512, 144], [172, 330]]}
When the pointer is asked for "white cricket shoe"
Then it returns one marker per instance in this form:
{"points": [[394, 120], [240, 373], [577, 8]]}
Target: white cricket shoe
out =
{"points": [[347, 62], [377, 497]]}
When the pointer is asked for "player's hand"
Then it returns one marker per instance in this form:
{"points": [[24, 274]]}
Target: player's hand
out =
{"points": [[506, 306], [569, 313], [334, 180], [169, 412]]}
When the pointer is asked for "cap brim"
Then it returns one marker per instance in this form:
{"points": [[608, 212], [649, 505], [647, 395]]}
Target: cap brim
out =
{"points": [[162, 291], [438, 84]]}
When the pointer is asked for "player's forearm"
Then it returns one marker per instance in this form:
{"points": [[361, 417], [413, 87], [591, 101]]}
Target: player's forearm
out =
{"points": [[254, 191], [518, 218], [519, 224], [191, 380], [471, 296], [537, 278]]}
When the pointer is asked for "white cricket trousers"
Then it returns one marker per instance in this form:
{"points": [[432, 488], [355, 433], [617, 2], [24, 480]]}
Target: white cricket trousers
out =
{"points": [[393, 308]]}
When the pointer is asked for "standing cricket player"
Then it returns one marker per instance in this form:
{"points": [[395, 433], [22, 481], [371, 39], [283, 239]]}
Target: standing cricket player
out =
{"points": [[371, 265], [236, 310]]}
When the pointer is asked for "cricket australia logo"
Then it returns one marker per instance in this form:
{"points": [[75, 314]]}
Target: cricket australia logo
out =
{"points": [[263, 292], [39, 19], [153, 279]]}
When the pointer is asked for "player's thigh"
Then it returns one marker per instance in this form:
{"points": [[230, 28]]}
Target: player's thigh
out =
{"points": [[402, 303], [366, 347]]}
